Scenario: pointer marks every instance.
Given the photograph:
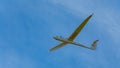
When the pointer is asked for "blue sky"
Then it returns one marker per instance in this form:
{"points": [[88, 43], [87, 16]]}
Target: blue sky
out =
{"points": [[27, 28]]}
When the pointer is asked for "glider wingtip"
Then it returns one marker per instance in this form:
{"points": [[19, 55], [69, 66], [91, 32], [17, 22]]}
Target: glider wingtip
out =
{"points": [[92, 14], [97, 40], [49, 50]]}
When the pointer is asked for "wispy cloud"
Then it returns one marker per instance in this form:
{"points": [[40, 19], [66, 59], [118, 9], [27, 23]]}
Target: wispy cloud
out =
{"points": [[11, 59], [41, 19], [107, 18]]}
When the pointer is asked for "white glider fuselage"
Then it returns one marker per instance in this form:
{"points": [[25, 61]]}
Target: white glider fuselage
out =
{"points": [[70, 42]]}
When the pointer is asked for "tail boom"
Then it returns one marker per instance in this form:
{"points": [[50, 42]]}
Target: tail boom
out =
{"points": [[92, 47], [66, 41]]}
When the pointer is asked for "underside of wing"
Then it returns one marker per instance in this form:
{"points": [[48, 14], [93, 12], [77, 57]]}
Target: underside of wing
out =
{"points": [[79, 28], [58, 46]]}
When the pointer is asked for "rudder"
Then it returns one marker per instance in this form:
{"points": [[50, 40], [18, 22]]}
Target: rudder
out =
{"points": [[94, 45]]}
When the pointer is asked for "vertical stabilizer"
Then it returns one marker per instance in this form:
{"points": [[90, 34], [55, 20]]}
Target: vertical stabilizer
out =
{"points": [[94, 45]]}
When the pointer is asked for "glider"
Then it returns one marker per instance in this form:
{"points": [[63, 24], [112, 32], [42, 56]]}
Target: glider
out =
{"points": [[69, 40]]}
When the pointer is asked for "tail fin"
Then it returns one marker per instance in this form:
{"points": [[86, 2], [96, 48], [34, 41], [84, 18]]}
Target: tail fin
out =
{"points": [[94, 45]]}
